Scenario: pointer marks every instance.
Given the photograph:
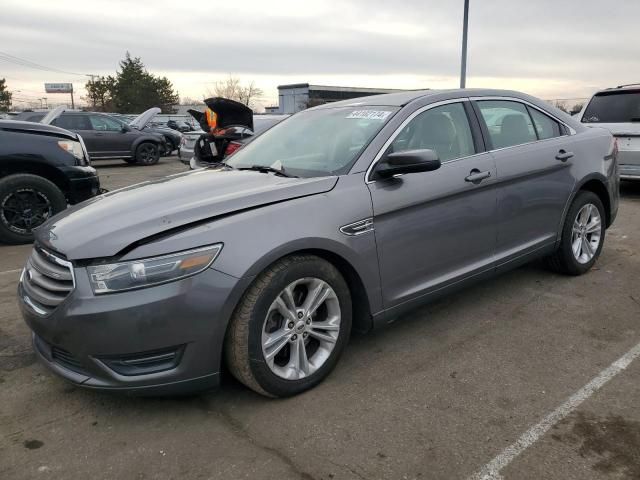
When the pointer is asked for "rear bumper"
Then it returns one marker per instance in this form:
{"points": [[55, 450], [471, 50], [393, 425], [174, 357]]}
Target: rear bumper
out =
{"points": [[185, 154], [629, 172]]}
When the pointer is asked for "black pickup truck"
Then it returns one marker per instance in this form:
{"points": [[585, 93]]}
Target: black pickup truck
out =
{"points": [[42, 169]]}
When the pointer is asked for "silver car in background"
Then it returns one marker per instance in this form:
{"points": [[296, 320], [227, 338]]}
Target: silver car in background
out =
{"points": [[618, 110], [342, 217]]}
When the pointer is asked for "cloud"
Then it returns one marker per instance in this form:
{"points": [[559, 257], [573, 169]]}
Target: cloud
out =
{"points": [[573, 45]]}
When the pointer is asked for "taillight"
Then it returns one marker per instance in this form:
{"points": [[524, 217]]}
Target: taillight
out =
{"points": [[231, 148]]}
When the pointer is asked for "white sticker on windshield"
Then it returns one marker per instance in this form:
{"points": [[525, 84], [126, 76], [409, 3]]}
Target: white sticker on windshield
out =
{"points": [[369, 114]]}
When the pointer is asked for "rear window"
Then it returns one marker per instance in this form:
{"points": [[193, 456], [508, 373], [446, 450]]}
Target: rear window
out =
{"points": [[613, 107]]}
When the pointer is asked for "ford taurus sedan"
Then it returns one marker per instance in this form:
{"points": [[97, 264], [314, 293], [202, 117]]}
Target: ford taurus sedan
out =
{"points": [[340, 218]]}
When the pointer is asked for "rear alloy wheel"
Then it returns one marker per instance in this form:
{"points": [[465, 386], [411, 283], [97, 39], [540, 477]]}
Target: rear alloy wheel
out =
{"points": [[290, 328], [147, 154], [582, 236], [26, 202]]}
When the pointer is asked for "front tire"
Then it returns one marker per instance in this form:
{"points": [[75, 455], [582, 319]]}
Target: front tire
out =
{"points": [[290, 327], [147, 153], [26, 202], [583, 235]]}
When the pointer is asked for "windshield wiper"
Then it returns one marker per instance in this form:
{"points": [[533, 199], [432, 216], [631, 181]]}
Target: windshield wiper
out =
{"points": [[265, 169]]}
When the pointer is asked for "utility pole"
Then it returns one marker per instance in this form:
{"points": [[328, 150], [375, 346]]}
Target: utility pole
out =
{"points": [[73, 107], [463, 62]]}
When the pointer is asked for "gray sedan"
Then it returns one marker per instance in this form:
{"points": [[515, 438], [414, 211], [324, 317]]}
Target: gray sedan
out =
{"points": [[340, 218]]}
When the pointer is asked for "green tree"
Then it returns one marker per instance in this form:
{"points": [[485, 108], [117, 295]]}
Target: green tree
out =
{"points": [[136, 90], [132, 90], [5, 96], [100, 93]]}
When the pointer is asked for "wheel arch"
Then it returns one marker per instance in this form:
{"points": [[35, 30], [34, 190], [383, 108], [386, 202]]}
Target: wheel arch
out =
{"points": [[360, 296], [43, 170], [598, 186], [144, 139]]}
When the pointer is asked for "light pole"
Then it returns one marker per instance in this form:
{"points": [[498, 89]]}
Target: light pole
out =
{"points": [[463, 62]]}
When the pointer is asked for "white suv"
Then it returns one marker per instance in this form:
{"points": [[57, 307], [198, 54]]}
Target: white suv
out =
{"points": [[618, 110]]}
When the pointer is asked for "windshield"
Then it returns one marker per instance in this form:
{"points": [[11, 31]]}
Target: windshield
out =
{"points": [[613, 107], [315, 142]]}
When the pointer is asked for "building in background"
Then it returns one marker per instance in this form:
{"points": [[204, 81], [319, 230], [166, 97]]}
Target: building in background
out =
{"points": [[296, 97]]}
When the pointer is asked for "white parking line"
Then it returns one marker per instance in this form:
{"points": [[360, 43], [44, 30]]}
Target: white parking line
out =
{"points": [[7, 272], [491, 471]]}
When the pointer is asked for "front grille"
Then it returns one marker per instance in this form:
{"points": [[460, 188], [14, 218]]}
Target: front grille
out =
{"points": [[46, 281]]}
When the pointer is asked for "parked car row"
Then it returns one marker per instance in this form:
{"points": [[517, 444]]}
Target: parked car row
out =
{"points": [[108, 136], [339, 218]]}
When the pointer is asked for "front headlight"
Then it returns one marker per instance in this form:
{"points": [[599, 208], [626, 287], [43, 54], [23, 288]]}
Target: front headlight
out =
{"points": [[116, 277], [74, 148]]}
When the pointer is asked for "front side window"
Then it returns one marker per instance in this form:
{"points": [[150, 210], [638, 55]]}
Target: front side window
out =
{"points": [[104, 124], [315, 143], [508, 123], [613, 107], [443, 129]]}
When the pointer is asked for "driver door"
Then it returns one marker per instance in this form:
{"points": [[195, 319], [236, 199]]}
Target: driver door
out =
{"points": [[436, 228]]}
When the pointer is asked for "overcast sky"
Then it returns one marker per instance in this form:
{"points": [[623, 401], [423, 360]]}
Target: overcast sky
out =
{"points": [[553, 49]]}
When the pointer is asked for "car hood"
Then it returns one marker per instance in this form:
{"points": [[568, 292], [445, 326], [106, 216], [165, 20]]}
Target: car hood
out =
{"points": [[108, 224], [144, 118], [52, 115]]}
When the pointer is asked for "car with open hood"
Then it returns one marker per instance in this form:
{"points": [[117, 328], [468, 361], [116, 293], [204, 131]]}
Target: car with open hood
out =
{"points": [[107, 138], [342, 217]]}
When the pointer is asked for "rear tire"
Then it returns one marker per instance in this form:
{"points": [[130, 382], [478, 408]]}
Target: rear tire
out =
{"points": [[147, 153], [582, 238], [277, 355], [26, 202]]}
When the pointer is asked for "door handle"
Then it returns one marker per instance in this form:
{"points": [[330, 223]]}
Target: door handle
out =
{"points": [[563, 155], [476, 176], [99, 134]]}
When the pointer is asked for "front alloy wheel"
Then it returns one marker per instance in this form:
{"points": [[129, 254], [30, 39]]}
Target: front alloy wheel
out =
{"points": [[290, 327], [301, 328]]}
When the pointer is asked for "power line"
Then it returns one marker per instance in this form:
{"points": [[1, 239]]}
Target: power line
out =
{"points": [[7, 57]]}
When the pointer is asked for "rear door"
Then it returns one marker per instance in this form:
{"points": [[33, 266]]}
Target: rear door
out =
{"points": [[110, 139], [79, 123], [435, 228], [533, 154]]}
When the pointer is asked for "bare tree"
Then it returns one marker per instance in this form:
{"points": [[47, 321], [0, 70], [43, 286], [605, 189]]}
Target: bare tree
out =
{"points": [[190, 101], [232, 88]]}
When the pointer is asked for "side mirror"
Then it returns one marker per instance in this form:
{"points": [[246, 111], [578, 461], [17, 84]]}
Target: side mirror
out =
{"points": [[409, 161], [125, 128]]}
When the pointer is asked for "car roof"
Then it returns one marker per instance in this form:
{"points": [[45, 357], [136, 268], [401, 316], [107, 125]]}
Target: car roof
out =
{"points": [[400, 99], [630, 88]]}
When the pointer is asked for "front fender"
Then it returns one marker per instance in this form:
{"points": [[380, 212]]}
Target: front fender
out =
{"points": [[157, 139]]}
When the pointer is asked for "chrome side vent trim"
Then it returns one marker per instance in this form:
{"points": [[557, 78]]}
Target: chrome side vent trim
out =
{"points": [[358, 228]]}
